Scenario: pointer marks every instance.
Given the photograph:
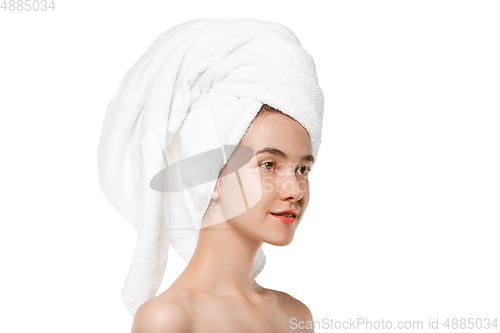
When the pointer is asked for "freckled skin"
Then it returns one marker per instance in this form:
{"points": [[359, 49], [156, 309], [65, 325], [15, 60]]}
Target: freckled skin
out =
{"points": [[217, 291]]}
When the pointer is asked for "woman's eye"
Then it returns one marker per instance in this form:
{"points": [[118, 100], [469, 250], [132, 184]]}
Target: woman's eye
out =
{"points": [[271, 164], [305, 170]]}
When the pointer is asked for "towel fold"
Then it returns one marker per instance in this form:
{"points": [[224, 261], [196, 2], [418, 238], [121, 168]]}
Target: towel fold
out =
{"points": [[197, 88]]}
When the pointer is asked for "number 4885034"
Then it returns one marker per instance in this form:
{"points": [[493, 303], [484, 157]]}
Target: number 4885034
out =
{"points": [[27, 5]]}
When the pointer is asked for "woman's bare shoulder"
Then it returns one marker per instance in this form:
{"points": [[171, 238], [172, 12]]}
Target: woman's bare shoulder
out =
{"points": [[292, 306], [165, 313]]}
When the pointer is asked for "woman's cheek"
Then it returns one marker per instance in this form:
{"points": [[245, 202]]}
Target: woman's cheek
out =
{"points": [[267, 184], [251, 186]]}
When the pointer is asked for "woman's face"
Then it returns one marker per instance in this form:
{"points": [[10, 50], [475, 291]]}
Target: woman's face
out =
{"points": [[275, 179]]}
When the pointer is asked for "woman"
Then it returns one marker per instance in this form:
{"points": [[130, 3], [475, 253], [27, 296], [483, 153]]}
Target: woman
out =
{"points": [[201, 87], [217, 291]]}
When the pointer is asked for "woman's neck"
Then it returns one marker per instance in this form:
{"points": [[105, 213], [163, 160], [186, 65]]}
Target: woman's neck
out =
{"points": [[222, 262]]}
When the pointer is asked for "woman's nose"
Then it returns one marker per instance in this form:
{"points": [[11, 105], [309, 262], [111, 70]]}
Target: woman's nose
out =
{"points": [[289, 187]]}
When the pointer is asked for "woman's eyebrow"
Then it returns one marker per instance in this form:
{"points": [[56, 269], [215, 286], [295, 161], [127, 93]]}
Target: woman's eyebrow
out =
{"points": [[281, 154]]}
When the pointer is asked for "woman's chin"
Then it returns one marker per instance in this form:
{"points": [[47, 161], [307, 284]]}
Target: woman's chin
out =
{"points": [[280, 238], [281, 243]]}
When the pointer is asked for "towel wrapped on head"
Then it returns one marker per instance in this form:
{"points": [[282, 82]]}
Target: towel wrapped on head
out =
{"points": [[196, 89]]}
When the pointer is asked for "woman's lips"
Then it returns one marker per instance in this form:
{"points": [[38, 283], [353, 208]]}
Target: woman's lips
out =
{"points": [[284, 219]]}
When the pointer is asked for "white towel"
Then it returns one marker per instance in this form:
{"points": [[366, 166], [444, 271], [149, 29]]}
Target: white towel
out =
{"points": [[197, 88]]}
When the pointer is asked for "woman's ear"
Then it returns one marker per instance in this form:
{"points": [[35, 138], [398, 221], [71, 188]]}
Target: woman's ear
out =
{"points": [[215, 193]]}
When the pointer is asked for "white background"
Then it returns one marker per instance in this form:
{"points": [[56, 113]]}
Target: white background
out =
{"points": [[403, 222]]}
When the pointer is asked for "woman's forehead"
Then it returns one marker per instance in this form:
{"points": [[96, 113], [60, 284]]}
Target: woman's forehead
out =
{"points": [[279, 131]]}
